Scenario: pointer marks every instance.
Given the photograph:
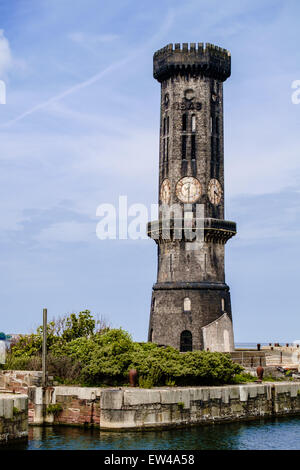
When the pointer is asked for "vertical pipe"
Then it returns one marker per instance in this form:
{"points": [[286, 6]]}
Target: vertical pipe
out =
{"points": [[44, 350]]}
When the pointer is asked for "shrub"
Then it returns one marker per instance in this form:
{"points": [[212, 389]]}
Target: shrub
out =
{"points": [[16, 411], [109, 358], [145, 382], [23, 363], [193, 368], [54, 409], [80, 353], [170, 383], [64, 369], [243, 378]]}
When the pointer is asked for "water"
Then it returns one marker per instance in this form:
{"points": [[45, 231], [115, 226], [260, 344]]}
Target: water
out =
{"points": [[280, 434], [249, 345]]}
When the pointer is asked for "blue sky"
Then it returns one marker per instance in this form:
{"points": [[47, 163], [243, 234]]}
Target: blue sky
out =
{"points": [[80, 128]]}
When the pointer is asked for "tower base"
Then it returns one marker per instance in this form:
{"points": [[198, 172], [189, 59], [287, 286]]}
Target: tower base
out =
{"points": [[192, 316]]}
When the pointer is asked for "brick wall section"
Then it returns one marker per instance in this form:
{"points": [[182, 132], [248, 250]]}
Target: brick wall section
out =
{"points": [[80, 405], [20, 380], [78, 412]]}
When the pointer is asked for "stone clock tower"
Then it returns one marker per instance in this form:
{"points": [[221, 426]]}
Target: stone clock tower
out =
{"points": [[191, 307]]}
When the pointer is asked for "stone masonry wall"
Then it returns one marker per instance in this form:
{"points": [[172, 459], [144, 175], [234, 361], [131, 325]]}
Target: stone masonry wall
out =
{"points": [[138, 409], [20, 380]]}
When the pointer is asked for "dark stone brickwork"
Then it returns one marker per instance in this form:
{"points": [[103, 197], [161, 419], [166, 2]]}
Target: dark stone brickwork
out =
{"points": [[192, 145]]}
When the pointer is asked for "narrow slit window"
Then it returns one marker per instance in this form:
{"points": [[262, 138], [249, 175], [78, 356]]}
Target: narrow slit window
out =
{"points": [[168, 123], [218, 148], [217, 125], [165, 121], [167, 151], [212, 169], [193, 123], [183, 147], [184, 122], [193, 147]]}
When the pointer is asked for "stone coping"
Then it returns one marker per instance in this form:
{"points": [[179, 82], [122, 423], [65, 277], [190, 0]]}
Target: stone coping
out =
{"points": [[118, 398], [9, 401]]}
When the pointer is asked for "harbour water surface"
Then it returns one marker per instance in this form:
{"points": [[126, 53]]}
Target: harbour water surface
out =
{"points": [[280, 434]]}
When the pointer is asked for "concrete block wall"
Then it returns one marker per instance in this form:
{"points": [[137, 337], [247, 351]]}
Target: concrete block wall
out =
{"points": [[163, 408]]}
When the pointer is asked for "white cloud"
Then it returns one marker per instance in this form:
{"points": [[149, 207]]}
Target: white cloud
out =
{"points": [[71, 232], [91, 39], [6, 60]]}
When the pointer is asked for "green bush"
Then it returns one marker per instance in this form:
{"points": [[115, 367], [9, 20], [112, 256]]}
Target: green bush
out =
{"points": [[145, 382], [170, 383], [23, 363], [79, 353], [16, 411], [243, 378], [54, 409]]}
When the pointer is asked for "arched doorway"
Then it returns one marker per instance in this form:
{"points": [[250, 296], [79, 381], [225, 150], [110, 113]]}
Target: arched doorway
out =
{"points": [[186, 341]]}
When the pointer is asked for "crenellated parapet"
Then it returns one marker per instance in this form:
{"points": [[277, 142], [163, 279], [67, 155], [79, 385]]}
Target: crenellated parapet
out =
{"points": [[194, 59]]}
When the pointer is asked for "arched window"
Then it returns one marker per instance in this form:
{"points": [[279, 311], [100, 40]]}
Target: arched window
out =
{"points": [[187, 304], [186, 341]]}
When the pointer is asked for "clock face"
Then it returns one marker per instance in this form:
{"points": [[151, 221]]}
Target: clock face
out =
{"points": [[215, 192], [188, 189], [165, 192]]}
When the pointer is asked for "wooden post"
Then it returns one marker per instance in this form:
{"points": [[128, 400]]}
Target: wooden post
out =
{"points": [[44, 350]]}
